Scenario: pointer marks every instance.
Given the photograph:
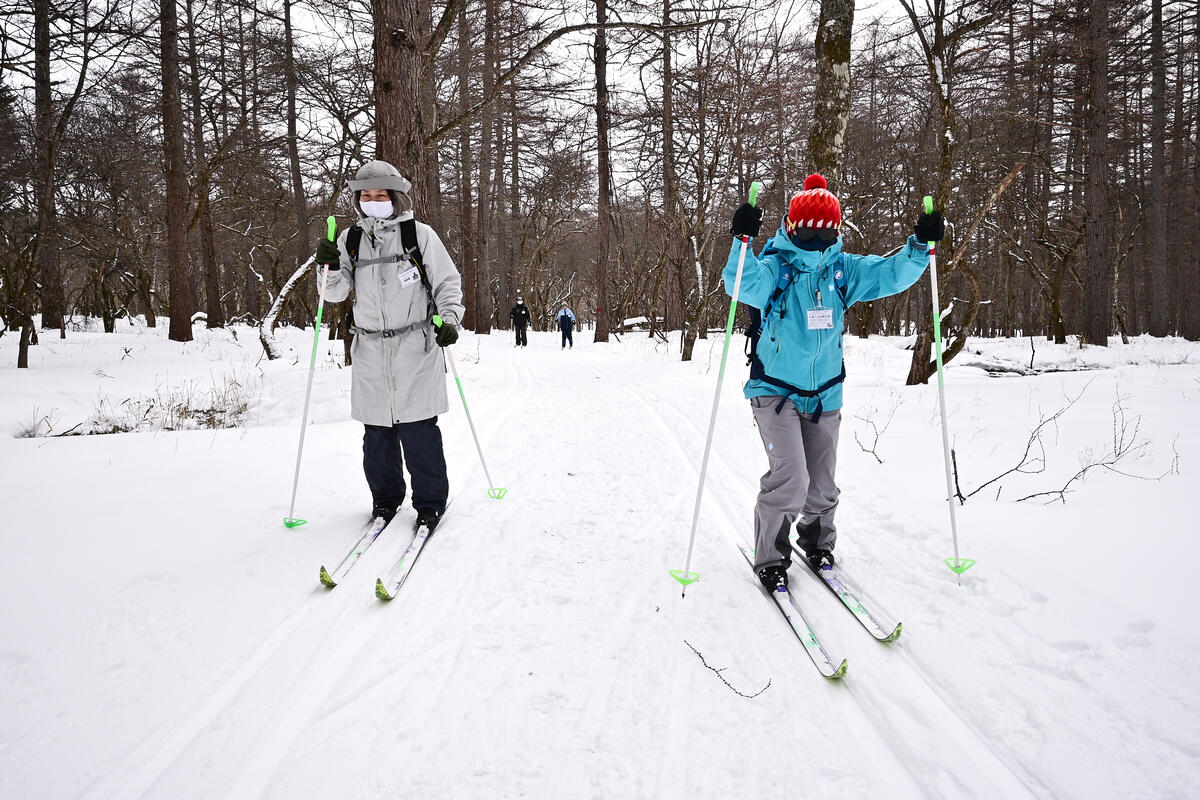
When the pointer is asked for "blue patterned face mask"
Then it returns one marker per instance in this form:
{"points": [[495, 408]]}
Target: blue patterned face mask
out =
{"points": [[812, 238], [815, 243]]}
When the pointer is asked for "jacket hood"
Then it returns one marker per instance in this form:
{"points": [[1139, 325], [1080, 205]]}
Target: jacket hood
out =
{"points": [[382, 175], [804, 260]]}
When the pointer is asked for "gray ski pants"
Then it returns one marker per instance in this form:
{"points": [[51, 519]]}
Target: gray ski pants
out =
{"points": [[799, 484]]}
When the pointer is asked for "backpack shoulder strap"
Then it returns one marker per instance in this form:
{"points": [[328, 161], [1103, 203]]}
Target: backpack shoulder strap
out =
{"points": [[408, 240], [412, 249]]}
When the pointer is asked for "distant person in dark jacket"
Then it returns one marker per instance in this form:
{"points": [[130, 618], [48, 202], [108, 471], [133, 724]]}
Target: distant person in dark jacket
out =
{"points": [[566, 322], [520, 320]]}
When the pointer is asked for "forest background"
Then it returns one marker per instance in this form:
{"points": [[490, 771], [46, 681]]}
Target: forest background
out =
{"points": [[179, 157]]}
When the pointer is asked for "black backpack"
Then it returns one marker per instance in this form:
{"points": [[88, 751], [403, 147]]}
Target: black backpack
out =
{"points": [[408, 241]]}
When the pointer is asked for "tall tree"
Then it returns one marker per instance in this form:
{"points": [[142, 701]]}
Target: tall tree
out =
{"points": [[291, 84], [466, 211], [1099, 280], [486, 220], [604, 199], [46, 249], [1156, 207], [180, 299], [401, 36], [827, 142], [214, 308]]}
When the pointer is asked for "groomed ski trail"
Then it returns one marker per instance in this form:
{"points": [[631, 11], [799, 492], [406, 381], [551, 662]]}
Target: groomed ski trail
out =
{"points": [[764, 629], [262, 678], [895, 696]]}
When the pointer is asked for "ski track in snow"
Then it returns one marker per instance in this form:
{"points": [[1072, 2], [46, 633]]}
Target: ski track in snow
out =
{"points": [[896, 774], [153, 761], [924, 712], [537, 650]]}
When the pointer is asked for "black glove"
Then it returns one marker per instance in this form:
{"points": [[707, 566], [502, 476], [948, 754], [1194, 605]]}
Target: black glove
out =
{"points": [[929, 227], [328, 253], [447, 335], [747, 220]]}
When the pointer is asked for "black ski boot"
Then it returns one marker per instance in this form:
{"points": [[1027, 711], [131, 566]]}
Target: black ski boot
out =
{"points": [[383, 511], [773, 577], [429, 518], [819, 559]]}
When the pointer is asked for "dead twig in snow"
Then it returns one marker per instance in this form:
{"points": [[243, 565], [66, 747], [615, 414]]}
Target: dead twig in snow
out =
{"points": [[722, 677]]}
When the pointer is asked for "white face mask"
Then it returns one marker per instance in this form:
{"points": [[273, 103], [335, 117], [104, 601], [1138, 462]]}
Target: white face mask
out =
{"points": [[381, 209]]}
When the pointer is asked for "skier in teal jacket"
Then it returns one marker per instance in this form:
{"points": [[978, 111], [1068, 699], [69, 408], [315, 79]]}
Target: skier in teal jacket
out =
{"points": [[799, 289]]}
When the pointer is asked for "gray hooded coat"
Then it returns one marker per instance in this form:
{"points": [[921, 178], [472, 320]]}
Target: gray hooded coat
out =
{"points": [[398, 372]]}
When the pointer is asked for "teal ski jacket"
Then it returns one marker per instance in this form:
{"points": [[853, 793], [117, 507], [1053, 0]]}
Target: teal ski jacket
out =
{"points": [[797, 347]]}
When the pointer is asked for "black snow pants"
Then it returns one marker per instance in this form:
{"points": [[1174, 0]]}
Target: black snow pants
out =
{"points": [[385, 450], [522, 339]]}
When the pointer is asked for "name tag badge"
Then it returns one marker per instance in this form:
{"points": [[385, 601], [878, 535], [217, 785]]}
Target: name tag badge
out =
{"points": [[408, 277], [820, 319]]}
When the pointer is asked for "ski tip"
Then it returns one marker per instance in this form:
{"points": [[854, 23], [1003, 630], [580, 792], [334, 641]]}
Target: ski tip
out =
{"points": [[684, 577], [895, 634], [840, 672], [381, 591], [497, 493], [292, 522], [960, 565], [326, 580]]}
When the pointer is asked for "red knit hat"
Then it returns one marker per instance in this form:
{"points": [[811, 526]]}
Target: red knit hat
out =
{"points": [[815, 207]]}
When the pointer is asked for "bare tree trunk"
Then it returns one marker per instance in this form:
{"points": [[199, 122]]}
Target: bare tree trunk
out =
{"points": [[487, 239], [1098, 286], [604, 201], [401, 33], [465, 195], [180, 300], [674, 313], [942, 82], [826, 143], [1156, 208], [1190, 323], [46, 258], [514, 187], [302, 246], [214, 309]]}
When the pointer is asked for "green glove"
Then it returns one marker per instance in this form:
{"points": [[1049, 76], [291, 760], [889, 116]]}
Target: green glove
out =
{"points": [[447, 334], [328, 253]]}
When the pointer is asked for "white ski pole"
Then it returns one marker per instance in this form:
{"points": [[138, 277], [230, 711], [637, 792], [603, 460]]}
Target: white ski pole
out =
{"points": [[290, 520], [685, 576], [959, 565], [494, 492]]}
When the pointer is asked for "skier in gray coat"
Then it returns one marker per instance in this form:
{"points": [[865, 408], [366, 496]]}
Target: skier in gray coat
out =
{"points": [[398, 383]]}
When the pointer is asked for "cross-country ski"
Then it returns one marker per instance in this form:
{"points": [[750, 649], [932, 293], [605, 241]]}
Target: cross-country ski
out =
{"points": [[370, 533], [785, 601]]}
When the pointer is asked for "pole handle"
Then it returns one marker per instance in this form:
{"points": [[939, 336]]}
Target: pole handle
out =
{"points": [[928, 204], [755, 188], [331, 223], [437, 321]]}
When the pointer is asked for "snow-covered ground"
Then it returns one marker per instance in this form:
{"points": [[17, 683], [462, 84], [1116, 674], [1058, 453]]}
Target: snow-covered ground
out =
{"points": [[164, 635]]}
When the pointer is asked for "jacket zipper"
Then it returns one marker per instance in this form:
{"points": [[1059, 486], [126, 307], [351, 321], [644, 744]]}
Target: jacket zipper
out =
{"points": [[387, 361], [817, 355]]}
